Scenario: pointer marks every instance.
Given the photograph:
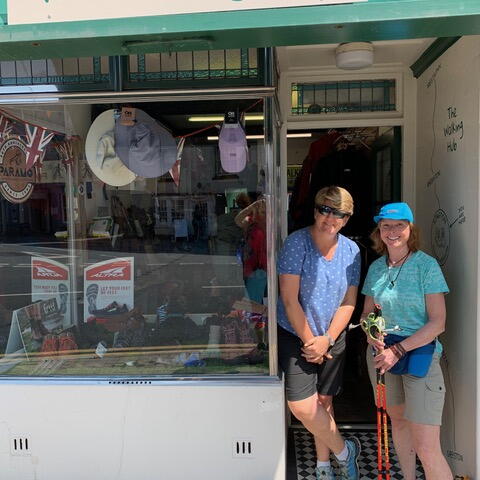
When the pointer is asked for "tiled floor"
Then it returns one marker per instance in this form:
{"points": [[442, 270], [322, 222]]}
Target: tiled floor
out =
{"points": [[303, 455]]}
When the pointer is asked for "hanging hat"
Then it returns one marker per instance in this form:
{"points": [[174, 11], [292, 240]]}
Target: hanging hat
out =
{"points": [[145, 147], [232, 143], [100, 152]]}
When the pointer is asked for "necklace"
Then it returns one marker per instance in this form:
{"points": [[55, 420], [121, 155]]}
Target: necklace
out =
{"points": [[393, 280], [390, 261]]}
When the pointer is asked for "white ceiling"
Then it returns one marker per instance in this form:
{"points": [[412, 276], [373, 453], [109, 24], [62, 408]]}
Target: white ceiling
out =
{"points": [[393, 52]]}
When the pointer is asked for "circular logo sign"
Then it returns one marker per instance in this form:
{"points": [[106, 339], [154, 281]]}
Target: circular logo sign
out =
{"points": [[440, 236], [16, 182]]}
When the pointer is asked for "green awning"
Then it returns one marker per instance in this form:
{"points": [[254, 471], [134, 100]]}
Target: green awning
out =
{"points": [[372, 20]]}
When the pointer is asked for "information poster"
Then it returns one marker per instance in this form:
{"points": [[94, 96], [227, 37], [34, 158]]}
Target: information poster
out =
{"points": [[108, 286], [50, 281]]}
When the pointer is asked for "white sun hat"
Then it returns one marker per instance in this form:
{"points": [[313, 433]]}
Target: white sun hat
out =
{"points": [[100, 152]]}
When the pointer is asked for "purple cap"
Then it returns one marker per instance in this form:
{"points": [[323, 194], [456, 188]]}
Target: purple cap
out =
{"points": [[232, 143], [145, 147]]}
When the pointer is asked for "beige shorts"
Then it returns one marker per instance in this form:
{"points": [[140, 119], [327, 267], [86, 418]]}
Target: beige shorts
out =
{"points": [[423, 397]]}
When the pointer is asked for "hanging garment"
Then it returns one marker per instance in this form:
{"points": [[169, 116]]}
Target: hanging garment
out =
{"points": [[298, 203]]}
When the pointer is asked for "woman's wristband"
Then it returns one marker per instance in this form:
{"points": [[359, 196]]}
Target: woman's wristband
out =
{"points": [[401, 348], [398, 350]]}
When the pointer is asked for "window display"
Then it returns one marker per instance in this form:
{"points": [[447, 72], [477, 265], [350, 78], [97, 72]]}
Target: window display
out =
{"points": [[138, 249]]}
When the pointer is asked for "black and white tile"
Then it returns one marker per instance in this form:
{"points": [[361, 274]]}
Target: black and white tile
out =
{"points": [[306, 458]]}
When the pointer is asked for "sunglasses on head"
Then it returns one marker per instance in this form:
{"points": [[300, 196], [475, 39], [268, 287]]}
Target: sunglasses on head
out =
{"points": [[326, 210]]}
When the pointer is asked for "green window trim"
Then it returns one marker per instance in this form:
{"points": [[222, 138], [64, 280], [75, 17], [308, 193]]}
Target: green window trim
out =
{"points": [[243, 67]]}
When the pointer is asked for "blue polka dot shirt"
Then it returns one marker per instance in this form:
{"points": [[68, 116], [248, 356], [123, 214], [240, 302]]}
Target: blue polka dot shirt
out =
{"points": [[323, 283]]}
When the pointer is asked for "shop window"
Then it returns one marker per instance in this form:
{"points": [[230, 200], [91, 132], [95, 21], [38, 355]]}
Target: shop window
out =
{"points": [[61, 73], [162, 69], [116, 270], [343, 97], [154, 70]]}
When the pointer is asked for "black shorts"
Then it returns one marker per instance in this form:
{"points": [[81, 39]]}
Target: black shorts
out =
{"points": [[302, 378]]}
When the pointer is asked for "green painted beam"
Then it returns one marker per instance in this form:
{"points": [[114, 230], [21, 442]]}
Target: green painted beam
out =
{"points": [[435, 50], [373, 20]]}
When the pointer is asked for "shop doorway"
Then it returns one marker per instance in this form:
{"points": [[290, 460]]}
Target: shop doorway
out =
{"points": [[367, 162]]}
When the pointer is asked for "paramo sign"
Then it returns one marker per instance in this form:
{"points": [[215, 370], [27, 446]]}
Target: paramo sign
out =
{"points": [[27, 11], [16, 180]]}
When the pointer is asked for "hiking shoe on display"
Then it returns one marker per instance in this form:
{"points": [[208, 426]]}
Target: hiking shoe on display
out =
{"points": [[324, 473], [348, 470], [66, 341], [50, 345]]}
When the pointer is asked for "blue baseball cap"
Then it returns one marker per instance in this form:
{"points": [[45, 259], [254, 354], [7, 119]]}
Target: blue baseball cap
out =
{"points": [[394, 211]]}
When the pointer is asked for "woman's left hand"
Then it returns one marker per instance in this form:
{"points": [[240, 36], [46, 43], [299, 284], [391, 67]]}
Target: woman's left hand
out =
{"points": [[385, 360]]}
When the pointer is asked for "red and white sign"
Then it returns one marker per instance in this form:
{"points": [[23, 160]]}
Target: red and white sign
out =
{"points": [[26, 11], [108, 282], [51, 279]]}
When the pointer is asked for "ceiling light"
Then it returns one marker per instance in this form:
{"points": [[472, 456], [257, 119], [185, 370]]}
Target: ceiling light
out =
{"points": [[354, 55], [299, 135], [219, 118], [261, 137], [249, 137]]}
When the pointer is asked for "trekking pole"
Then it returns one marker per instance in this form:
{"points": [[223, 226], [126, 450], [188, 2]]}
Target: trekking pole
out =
{"points": [[384, 424], [374, 326], [379, 428]]}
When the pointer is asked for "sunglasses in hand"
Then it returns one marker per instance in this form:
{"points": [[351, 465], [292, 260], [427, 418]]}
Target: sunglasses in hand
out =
{"points": [[326, 210]]}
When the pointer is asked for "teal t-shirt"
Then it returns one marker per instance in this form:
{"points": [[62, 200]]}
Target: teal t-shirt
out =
{"points": [[403, 304]]}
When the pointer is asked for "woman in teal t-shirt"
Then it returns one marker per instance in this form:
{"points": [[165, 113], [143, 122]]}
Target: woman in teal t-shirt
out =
{"points": [[409, 286]]}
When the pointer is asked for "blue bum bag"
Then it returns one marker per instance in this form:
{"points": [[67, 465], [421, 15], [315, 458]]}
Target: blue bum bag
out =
{"points": [[415, 362]]}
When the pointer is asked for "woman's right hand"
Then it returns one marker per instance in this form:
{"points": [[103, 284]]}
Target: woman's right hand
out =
{"points": [[315, 350]]}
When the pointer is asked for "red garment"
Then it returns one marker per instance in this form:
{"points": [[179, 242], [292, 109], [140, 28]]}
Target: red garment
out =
{"points": [[318, 149], [255, 252]]}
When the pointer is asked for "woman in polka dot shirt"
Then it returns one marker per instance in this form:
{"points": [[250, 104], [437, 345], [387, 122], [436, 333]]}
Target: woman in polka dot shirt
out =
{"points": [[319, 273]]}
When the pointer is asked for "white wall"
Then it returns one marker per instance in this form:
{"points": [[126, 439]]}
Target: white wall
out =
{"points": [[174, 431], [447, 211]]}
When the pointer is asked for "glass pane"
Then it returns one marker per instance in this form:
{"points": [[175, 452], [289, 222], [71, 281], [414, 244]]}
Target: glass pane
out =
{"points": [[252, 58], [152, 62], [70, 66], [133, 63], [168, 62], [346, 96], [136, 275], [185, 61], [217, 59], [331, 94], [104, 65], [232, 58], [8, 69], [201, 60], [24, 68], [85, 66], [55, 66], [39, 68]]}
